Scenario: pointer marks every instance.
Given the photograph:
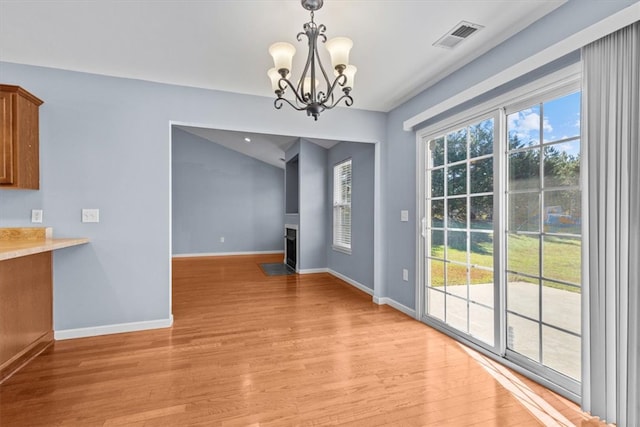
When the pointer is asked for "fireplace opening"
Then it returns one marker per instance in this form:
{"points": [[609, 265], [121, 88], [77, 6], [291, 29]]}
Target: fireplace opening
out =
{"points": [[291, 247]]}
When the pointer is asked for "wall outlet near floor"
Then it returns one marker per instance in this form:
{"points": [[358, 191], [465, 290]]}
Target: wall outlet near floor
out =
{"points": [[405, 274], [221, 239], [90, 215], [404, 216], [36, 215]]}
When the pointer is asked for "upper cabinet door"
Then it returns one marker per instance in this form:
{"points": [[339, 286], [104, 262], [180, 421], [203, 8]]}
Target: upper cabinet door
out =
{"points": [[19, 143], [6, 140]]}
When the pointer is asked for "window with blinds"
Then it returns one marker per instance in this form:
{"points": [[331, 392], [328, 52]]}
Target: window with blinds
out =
{"points": [[342, 206]]}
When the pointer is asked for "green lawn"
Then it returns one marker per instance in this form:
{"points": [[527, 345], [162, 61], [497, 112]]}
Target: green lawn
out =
{"points": [[561, 258]]}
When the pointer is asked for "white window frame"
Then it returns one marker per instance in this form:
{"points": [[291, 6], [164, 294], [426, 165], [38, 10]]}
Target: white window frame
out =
{"points": [[339, 204]]}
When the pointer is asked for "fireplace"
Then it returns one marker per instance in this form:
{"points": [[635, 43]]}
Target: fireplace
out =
{"points": [[291, 246]]}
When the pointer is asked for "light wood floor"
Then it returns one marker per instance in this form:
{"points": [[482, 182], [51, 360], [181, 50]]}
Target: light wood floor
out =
{"points": [[248, 350]]}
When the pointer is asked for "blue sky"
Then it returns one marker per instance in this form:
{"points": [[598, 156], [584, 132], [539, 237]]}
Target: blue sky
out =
{"points": [[560, 120]]}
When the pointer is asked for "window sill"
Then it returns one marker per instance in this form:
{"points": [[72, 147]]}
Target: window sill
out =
{"points": [[342, 249]]}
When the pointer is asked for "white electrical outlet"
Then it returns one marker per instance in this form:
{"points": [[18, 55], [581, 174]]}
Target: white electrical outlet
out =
{"points": [[90, 215], [221, 239], [36, 215], [404, 216], [405, 274]]}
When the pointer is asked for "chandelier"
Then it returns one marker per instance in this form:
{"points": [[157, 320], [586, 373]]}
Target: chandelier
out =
{"points": [[307, 96]]}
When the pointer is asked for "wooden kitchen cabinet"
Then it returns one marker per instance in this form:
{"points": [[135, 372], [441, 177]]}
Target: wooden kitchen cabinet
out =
{"points": [[19, 139], [26, 294], [25, 310]]}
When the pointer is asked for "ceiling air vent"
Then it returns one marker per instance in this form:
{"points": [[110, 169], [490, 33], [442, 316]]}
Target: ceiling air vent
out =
{"points": [[457, 34]]}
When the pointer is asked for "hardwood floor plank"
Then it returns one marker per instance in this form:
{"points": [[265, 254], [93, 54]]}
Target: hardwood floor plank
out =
{"points": [[247, 349]]}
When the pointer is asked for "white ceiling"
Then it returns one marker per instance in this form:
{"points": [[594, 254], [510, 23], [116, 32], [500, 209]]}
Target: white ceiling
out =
{"points": [[265, 147], [222, 44]]}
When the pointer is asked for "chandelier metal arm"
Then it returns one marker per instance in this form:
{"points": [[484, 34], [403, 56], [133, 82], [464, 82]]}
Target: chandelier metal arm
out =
{"points": [[287, 83], [327, 82], [309, 64], [348, 102], [340, 80], [322, 99], [278, 103]]}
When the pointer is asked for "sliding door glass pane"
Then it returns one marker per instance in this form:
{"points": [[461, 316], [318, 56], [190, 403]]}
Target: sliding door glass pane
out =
{"points": [[524, 212], [481, 212], [481, 138], [561, 352], [523, 254], [523, 336], [457, 312], [460, 211], [543, 235], [479, 317], [436, 278], [437, 183], [523, 128], [561, 306], [561, 258], [523, 296], [562, 164], [435, 303], [481, 174], [524, 169], [482, 290], [482, 250], [457, 180]]}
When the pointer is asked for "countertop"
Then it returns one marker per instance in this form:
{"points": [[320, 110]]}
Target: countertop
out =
{"points": [[18, 242], [15, 249]]}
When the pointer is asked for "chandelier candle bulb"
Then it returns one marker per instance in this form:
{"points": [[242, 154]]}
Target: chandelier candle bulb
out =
{"points": [[339, 49], [350, 72], [282, 54], [275, 79]]}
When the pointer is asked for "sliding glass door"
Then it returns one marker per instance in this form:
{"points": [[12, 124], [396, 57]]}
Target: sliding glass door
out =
{"points": [[459, 275], [502, 235]]}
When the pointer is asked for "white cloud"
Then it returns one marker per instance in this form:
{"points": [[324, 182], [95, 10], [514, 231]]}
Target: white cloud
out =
{"points": [[526, 124]]}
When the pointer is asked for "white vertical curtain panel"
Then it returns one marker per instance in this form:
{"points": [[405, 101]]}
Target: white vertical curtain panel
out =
{"points": [[611, 131]]}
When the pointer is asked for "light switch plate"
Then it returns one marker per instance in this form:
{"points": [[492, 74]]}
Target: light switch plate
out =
{"points": [[405, 274], [36, 216], [90, 215], [404, 216]]}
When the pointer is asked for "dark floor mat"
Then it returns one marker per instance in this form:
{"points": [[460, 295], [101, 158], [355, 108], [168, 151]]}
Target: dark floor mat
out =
{"points": [[277, 269]]}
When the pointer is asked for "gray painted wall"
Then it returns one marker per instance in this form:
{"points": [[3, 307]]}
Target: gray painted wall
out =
{"points": [[105, 143], [358, 265], [313, 206], [399, 151], [218, 192], [294, 219]]}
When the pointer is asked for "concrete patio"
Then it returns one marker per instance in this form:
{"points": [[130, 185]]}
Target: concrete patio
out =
{"points": [[561, 308]]}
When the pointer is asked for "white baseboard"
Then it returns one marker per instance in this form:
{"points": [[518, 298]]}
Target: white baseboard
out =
{"points": [[67, 334], [380, 301], [395, 304], [225, 254], [313, 271], [350, 281]]}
